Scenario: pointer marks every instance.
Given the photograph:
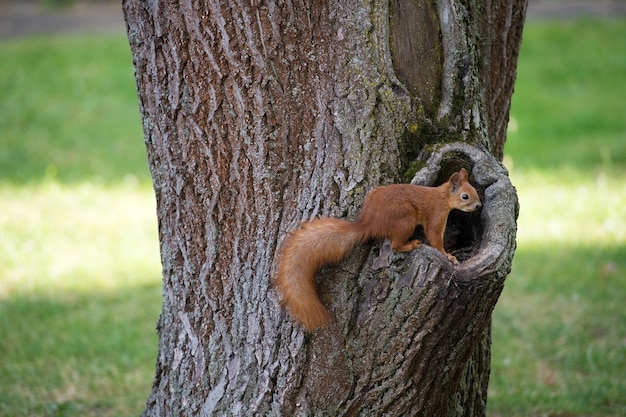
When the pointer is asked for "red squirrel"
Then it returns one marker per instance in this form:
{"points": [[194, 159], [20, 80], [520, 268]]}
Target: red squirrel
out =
{"points": [[391, 211]]}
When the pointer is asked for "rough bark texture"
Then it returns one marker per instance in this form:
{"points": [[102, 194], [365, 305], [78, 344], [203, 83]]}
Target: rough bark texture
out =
{"points": [[259, 114]]}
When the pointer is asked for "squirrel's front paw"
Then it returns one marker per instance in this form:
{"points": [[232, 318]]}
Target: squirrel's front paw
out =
{"points": [[452, 259]]}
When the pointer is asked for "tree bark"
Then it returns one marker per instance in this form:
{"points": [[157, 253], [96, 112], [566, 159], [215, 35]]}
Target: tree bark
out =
{"points": [[260, 114]]}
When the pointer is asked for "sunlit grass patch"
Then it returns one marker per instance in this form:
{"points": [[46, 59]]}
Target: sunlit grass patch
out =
{"points": [[568, 207], [81, 237]]}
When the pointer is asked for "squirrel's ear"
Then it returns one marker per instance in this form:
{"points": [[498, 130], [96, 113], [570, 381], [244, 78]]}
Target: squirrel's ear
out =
{"points": [[463, 174], [455, 180]]}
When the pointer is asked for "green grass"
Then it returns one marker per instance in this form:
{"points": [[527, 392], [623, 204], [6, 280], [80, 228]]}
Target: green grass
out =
{"points": [[559, 345], [568, 103], [79, 296], [559, 328], [69, 110], [79, 265]]}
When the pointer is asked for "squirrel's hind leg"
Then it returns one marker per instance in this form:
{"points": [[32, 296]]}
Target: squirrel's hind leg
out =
{"points": [[400, 237], [408, 246]]}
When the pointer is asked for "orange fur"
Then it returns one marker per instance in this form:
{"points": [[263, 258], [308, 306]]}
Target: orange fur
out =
{"points": [[391, 211]]}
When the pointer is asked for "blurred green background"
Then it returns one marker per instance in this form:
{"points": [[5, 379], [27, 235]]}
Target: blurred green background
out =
{"points": [[80, 286]]}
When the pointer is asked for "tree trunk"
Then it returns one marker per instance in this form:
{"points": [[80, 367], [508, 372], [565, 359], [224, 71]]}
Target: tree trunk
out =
{"points": [[259, 114]]}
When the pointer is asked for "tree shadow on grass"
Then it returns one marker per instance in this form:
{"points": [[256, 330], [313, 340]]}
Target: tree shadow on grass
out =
{"points": [[558, 333], [76, 354]]}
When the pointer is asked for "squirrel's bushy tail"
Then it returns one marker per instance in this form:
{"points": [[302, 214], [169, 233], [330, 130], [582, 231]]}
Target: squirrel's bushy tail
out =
{"points": [[316, 243]]}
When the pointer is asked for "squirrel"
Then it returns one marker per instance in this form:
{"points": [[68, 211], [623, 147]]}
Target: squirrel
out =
{"points": [[390, 211]]}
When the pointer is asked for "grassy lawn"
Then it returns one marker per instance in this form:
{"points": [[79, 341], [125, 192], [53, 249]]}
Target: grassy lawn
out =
{"points": [[559, 330], [79, 264]]}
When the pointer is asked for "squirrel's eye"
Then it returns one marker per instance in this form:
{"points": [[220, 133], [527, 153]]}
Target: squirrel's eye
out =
{"points": [[465, 196]]}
